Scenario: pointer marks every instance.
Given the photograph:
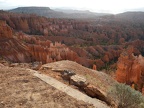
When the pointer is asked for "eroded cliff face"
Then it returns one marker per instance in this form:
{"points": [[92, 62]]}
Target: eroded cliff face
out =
{"points": [[45, 51], [87, 42], [130, 69], [11, 48], [5, 30], [21, 47]]}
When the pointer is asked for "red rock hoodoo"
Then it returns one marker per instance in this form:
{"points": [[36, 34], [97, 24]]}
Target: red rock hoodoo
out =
{"points": [[130, 69]]}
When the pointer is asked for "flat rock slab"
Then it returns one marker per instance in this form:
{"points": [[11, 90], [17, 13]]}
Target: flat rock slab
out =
{"points": [[70, 91], [78, 80]]}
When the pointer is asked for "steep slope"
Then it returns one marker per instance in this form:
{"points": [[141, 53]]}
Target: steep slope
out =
{"points": [[24, 48], [70, 91], [11, 48], [94, 83]]}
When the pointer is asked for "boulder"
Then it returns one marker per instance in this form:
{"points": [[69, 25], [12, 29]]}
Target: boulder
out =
{"points": [[96, 92], [66, 74], [78, 80]]}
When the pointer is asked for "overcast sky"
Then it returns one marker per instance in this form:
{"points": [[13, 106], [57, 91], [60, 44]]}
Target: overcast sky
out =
{"points": [[111, 6]]}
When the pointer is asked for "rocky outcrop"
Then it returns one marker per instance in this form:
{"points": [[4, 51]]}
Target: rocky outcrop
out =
{"points": [[5, 30], [130, 69], [78, 80], [55, 52], [14, 51], [66, 74], [93, 83], [94, 91], [10, 48], [89, 89], [25, 48], [94, 67]]}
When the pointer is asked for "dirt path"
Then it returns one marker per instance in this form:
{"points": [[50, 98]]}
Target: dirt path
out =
{"points": [[70, 91]]}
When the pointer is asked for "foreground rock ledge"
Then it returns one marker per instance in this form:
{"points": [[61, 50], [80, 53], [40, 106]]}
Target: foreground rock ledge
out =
{"points": [[93, 83], [20, 89]]}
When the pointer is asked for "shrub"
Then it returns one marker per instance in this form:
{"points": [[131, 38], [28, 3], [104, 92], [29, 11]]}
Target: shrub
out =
{"points": [[126, 97]]}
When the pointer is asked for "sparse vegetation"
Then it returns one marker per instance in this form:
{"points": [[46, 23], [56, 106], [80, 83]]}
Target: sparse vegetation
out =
{"points": [[126, 97]]}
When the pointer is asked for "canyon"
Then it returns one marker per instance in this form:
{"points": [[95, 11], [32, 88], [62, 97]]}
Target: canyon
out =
{"points": [[107, 42]]}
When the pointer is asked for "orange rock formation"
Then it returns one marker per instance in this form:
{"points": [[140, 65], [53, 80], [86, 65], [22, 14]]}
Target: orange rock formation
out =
{"points": [[25, 48], [94, 67], [5, 30], [130, 69]]}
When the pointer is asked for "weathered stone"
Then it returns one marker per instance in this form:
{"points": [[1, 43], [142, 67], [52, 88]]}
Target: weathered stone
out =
{"points": [[96, 92], [84, 84], [66, 74], [78, 80]]}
